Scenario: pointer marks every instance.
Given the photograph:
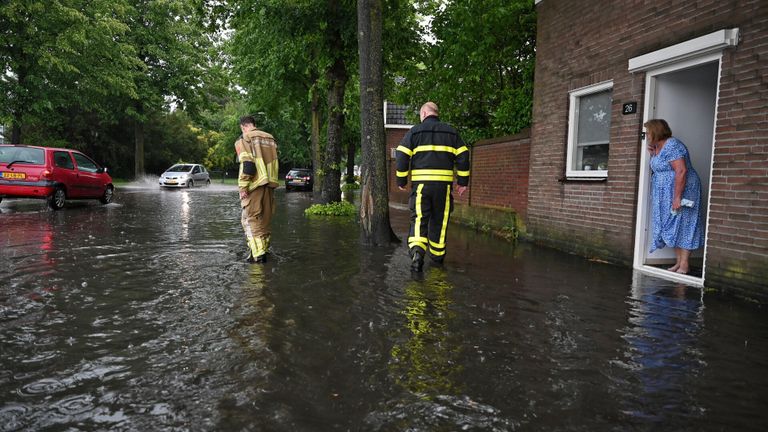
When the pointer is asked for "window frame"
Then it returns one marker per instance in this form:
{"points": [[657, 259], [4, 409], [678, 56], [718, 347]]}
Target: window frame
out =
{"points": [[574, 97]]}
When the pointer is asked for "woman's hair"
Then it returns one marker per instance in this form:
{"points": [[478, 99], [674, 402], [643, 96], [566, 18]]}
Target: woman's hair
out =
{"points": [[657, 129]]}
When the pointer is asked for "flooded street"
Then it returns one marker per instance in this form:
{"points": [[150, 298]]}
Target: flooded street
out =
{"points": [[143, 315]]}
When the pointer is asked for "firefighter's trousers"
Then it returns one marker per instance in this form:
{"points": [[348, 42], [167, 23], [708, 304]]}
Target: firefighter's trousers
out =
{"points": [[256, 218], [431, 204]]}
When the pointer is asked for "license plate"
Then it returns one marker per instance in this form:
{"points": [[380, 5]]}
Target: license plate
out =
{"points": [[297, 182], [14, 175], [170, 182]]}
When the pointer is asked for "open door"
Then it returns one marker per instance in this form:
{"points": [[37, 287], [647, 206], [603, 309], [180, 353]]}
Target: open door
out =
{"points": [[685, 95]]}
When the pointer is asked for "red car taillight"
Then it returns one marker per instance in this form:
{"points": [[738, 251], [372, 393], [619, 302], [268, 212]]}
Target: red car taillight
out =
{"points": [[289, 178], [46, 174]]}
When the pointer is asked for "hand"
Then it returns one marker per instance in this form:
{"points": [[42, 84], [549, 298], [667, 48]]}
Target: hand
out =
{"points": [[676, 204], [243, 194], [402, 188], [461, 189]]}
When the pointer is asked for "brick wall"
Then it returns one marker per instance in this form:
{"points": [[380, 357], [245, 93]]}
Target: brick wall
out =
{"points": [[737, 248], [394, 136], [598, 218], [499, 173]]}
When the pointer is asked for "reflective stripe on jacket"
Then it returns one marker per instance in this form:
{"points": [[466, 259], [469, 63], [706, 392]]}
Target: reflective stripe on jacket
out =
{"points": [[429, 152], [259, 150]]}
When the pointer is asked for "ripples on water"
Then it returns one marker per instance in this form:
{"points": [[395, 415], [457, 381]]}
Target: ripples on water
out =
{"points": [[141, 315]]}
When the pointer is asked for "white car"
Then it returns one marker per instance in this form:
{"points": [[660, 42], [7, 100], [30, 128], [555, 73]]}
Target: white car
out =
{"points": [[185, 175]]}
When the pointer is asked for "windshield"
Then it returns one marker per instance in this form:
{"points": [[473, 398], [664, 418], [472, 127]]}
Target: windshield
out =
{"points": [[21, 154], [179, 168], [299, 173]]}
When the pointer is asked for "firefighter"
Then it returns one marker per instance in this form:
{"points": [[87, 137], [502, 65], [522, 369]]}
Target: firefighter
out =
{"points": [[428, 153], [257, 154]]}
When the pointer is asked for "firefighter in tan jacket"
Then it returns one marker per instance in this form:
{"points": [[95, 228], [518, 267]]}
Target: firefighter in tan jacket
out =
{"points": [[257, 180]]}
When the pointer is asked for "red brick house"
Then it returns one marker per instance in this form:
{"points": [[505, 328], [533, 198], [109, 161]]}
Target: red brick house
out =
{"points": [[396, 125], [602, 69]]}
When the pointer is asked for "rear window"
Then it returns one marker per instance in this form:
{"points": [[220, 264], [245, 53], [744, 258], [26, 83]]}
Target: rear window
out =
{"points": [[27, 155], [179, 168], [299, 173]]}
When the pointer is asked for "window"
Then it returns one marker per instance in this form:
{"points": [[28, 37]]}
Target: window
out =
{"points": [[85, 164], [62, 160], [589, 126], [22, 155]]}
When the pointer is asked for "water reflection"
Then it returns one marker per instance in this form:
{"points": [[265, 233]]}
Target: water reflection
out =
{"points": [[425, 361], [661, 338], [252, 328]]}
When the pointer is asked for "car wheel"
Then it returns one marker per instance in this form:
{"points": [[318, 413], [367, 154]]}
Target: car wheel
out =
{"points": [[191, 183], [57, 199], [108, 194], [1, 199]]}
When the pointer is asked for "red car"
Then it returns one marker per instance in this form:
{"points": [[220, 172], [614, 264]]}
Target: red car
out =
{"points": [[55, 174]]}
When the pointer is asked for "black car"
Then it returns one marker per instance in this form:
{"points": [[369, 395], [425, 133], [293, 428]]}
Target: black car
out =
{"points": [[298, 178]]}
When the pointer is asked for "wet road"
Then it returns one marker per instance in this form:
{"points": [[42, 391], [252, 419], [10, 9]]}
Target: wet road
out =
{"points": [[141, 315]]}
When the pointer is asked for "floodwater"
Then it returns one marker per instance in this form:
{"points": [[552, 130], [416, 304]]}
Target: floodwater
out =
{"points": [[142, 315]]}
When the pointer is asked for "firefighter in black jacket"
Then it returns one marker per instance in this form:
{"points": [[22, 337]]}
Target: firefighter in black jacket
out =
{"points": [[428, 153]]}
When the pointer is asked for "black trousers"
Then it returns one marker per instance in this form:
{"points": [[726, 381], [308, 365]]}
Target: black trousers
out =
{"points": [[431, 204]]}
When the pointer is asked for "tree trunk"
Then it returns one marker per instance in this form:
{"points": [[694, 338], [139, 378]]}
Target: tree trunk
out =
{"points": [[138, 136], [337, 77], [19, 105], [351, 150], [315, 139], [16, 129], [374, 196]]}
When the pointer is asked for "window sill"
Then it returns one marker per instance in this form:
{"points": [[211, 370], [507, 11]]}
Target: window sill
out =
{"points": [[582, 179]]}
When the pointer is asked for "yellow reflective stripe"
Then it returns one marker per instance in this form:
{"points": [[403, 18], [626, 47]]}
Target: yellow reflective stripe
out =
{"points": [[415, 243], [417, 178], [404, 149], [463, 173], [402, 173], [261, 170], [438, 148], [417, 222], [245, 156], [436, 245], [437, 253], [445, 172], [273, 170], [446, 213], [461, 150]]}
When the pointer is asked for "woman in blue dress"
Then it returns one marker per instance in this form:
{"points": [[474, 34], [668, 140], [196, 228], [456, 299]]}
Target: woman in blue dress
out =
{"points": [[675, 195]]}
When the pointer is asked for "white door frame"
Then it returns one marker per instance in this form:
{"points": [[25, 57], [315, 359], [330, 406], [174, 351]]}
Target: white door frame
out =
{"points": [[643, 218]]}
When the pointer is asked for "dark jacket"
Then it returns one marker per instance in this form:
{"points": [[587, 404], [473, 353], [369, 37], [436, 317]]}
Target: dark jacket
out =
{"points": [[429, 152]]}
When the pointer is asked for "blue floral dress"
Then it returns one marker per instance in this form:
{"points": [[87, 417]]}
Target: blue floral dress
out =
{"points": [[682, 230]]}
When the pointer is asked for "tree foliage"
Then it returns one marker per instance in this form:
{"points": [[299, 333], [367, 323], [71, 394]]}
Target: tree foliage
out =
{"points": [[288, 52], [84, 73], [478, 67], [57, 52]]}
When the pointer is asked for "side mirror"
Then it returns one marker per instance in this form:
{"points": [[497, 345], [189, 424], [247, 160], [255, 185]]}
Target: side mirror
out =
{"points": [[101, 170]]}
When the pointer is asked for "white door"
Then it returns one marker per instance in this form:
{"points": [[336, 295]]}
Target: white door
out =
{"points": [[685, 95]]}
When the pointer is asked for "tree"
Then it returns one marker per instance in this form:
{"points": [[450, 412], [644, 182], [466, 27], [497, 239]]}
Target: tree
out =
{"points": [[374, 206], [59, 51], [478, 67], [287, 50], [175, 58]]}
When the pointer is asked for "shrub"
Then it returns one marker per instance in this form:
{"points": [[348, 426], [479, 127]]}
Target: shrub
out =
{"points": [[342, 208]]}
